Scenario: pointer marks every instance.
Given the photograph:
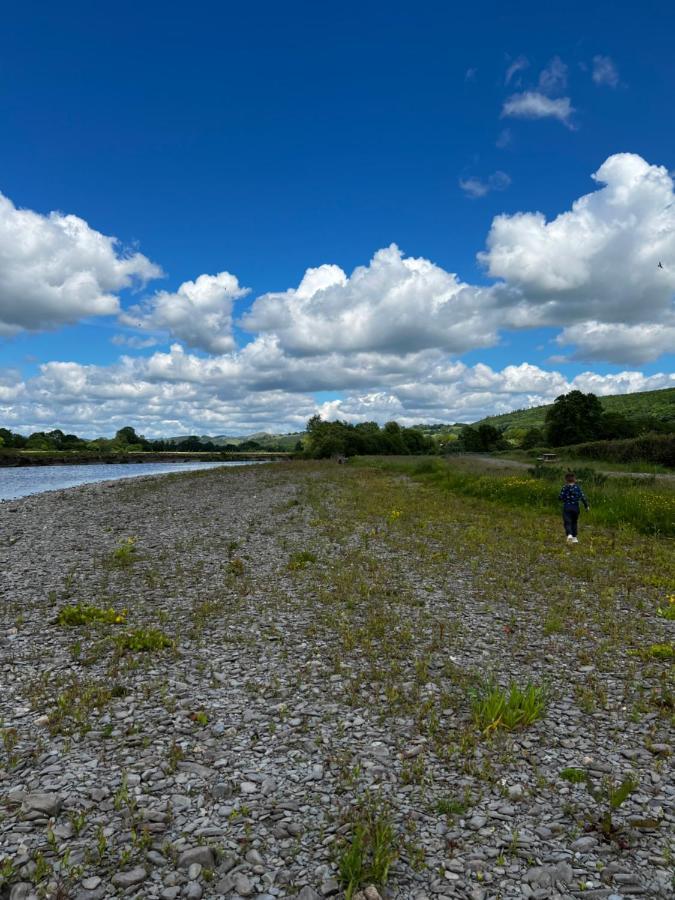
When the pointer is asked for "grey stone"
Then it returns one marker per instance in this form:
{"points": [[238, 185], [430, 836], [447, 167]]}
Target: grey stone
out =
{"points": [[202, 855], [584, 844], [308, 893], [243, 885], [20, 891], [130, 877], [194, 871], [49, 804], [170, 893], [193, 890], [90, 884]]}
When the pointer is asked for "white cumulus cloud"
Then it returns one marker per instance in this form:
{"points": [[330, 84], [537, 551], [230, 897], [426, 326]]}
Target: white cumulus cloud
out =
{"points": [[179, 393], [56, 270], [396, 304], [595, 264], [199, 313]]}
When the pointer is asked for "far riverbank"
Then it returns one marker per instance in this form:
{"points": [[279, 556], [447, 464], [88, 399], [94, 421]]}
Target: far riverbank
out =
{"points": [[74, 458]]}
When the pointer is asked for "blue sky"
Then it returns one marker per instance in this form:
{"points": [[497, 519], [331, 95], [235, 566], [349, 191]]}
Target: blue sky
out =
{"points": [[268, 140]]}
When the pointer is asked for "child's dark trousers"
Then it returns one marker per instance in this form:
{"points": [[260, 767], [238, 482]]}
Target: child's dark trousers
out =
{"points": [[570, 519]]}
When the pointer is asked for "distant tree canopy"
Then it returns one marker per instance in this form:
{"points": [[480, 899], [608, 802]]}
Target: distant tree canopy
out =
{"points": [[126, 440], [325, 439], [533, 437], [482, 439], [574, 418]]}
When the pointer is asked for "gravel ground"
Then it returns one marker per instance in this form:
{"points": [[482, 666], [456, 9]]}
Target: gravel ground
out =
{"points": [[319, 672]]}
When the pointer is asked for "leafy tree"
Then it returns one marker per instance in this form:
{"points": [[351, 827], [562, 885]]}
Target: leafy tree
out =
{"points": [[39, 441], [614, 425], [573, 419], [470, 440], [490, 437], [533, 437]]}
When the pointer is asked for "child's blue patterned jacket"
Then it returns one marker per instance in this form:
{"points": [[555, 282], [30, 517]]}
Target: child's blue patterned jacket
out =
{"points": [[571, 494]]}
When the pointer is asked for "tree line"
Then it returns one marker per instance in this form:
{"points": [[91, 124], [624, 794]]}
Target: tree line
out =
{"points": [[327, 439], [125, 441], [574, 418]]}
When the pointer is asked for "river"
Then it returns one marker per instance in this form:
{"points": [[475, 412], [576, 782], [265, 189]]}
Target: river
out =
{"points": [[25, 480]]}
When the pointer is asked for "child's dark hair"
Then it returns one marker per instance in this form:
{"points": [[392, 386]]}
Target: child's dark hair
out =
{"points": [[570, 477]]}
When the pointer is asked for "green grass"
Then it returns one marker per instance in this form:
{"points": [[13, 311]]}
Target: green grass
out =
{"points": [[367, 855], [494, 707], [144, 640], [301, 559], [644, 505], [88, 614]]}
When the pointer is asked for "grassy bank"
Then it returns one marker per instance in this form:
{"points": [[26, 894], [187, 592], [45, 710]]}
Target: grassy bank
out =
{"points": [[644, 505]]}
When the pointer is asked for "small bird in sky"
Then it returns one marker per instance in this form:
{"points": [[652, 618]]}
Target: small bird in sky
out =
{"points": [[660, 265]]}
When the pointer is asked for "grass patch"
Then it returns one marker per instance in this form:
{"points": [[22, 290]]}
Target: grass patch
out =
{"points": [[86, 614], [646, 505], [124, 555], [367, 855], [74, 707], [301, 559], [494, 707], [657, 651], [144, 640], [574, 776], [667, 610]]}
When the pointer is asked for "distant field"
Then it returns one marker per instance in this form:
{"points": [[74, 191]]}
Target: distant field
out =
{"points": [[644, 505], [660, 404]]}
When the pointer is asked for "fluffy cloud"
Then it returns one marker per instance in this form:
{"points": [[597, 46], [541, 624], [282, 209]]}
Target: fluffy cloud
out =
{"points": [[618, 342], [604, 71], [596, 264], [178, 393], [56, 269], [199, 313], [535, 105], [384, 335], [396, 304], [475, 187]]}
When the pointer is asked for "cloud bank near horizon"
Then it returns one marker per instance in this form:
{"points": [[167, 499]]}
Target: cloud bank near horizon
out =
{"points": [[386, 336]]}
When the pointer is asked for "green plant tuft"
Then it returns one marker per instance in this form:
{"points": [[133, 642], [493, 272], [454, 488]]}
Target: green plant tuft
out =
{"points": [[87, 614], [575, 776], [144, 640], [301, 560], [372, 848], [494, 707]]}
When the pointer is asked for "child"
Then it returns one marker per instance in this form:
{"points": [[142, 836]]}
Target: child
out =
{"points": [[571, 494]]}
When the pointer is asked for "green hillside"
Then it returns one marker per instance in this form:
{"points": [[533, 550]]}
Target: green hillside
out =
{"points": [[659, 404]]}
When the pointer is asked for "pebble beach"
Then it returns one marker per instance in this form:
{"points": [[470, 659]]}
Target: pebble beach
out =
{"points": [[301, 645]]}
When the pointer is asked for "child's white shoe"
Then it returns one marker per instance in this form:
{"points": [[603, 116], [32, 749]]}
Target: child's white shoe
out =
{"points": [[570, 539], [575, 540]]}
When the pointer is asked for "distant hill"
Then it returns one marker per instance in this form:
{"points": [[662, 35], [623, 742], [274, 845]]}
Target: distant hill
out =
{"points": [[659, 404]]}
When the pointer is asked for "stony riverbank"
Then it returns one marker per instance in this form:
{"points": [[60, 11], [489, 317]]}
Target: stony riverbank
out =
{"points": [[327, 628]]}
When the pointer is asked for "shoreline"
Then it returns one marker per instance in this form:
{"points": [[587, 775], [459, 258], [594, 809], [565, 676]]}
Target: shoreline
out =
{"points": [[19, 459], [328, 625]]}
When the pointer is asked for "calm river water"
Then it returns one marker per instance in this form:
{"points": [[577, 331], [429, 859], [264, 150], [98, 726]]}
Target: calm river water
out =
{"points": [[25, 480]]}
